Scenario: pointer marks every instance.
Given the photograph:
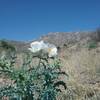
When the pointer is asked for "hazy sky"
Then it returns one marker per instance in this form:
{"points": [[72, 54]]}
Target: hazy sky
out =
{"points": [[29, 19]]}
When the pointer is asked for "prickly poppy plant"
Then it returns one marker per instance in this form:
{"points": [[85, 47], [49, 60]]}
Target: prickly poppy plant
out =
{"points": [[31, 82]]}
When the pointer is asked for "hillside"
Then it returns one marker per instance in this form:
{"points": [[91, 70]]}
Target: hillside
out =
{"points": [[80, 55], [59, 39]]}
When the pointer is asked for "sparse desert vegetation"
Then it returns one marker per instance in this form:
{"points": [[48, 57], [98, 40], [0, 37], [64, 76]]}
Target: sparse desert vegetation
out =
{"points": [[79, 53]]}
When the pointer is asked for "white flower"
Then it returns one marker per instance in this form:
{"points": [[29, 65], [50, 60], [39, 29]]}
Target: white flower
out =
{"points": [[49, 48], [36, 46], [52, 52]]}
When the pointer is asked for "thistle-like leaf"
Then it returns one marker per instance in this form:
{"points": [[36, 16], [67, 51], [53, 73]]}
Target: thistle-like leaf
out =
{"points": [[57, 84]]}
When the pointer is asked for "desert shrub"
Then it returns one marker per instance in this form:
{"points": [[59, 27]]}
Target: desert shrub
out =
{"points": [[31, 82], [98, 34], [95, 36], [7, 49], [6, 45], [92, 45]]}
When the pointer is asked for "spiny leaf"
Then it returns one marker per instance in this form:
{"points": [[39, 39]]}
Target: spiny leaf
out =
{"points": [[60, 83]]}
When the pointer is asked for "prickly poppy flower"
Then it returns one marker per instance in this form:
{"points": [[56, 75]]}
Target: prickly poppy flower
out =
{"points": [[49, 48]]}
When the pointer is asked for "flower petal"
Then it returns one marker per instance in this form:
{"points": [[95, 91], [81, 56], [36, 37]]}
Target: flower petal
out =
{"points": [[49, 48]]}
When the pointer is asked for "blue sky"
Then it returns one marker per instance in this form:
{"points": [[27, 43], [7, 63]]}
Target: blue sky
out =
{"points": [[29, 19]]}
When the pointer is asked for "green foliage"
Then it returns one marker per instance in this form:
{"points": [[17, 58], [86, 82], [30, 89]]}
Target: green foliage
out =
{"points": [[6, 45], [31, 82], [97, 35], [92, 45]]}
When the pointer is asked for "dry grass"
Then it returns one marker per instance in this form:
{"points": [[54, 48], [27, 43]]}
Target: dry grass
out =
{"points": [[83, 67]]}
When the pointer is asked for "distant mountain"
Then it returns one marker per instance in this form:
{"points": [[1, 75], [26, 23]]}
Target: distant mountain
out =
{"points": [[59, 39]]}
